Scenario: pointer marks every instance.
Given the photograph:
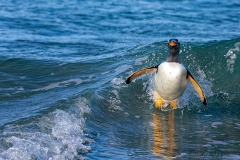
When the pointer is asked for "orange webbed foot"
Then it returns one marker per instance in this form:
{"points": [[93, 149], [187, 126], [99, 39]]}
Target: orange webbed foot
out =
{"points": [[159, 102], [173, 104]]}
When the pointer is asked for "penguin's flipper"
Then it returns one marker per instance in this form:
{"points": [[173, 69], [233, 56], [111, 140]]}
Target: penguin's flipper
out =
{"points": [[197, 87], [141, 72]]}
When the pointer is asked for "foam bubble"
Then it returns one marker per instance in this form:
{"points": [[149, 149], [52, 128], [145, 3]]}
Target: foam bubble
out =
{"points": [[232, 56]]}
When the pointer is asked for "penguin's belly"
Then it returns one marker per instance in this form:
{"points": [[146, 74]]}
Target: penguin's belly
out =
{"points": [[170, 80]]}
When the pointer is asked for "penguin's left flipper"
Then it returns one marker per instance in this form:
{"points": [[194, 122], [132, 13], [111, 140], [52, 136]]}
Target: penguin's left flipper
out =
{"points": [[197, 87], [141, 72]]}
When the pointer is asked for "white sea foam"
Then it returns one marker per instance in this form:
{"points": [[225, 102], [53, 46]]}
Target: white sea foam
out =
{"points": [[117, 82], [232, 56], [60, 136], [76, 81], [216, 124], [181, 155], [140, 61], [231, 157], [122, 69], [215, 142]]}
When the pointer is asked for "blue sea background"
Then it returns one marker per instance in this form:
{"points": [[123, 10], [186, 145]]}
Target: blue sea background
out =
{"points": [[63, 66]]}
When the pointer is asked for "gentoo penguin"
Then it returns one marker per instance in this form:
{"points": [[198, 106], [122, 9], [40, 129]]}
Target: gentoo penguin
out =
{"points": [[170, 79]]}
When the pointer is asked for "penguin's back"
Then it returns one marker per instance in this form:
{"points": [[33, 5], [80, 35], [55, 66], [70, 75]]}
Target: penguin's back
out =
{"points": [[170, 80]]}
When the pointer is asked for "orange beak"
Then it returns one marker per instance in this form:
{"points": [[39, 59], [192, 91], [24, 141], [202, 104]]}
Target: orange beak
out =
{"points": [[172, 44]]}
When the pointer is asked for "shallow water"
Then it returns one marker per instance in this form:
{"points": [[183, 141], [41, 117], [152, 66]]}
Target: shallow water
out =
{"points": [[64, 64]]}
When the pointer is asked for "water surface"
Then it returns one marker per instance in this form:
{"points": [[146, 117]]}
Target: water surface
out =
{"points": [[63, 66]]}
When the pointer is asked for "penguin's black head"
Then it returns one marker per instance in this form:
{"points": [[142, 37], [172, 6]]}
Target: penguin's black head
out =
{"points": [[174, 45]]}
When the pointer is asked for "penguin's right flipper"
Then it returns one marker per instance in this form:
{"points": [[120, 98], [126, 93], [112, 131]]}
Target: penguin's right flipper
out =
{"points": [[141, 72], [197, 87]]}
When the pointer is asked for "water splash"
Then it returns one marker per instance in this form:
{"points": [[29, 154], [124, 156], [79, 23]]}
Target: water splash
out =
{"points": [[140, 61], [117, 84], [59, 135], [232, 56]]}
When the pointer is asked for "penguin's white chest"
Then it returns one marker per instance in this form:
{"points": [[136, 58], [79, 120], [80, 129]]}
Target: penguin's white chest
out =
{"points": [[170, 80]]}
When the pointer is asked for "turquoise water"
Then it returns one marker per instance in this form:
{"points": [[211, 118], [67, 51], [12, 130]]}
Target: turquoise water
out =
{"points": [[63, 66]]}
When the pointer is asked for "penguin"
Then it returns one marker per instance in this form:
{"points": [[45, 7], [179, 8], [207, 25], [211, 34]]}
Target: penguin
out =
{"points": [[170, 79]]}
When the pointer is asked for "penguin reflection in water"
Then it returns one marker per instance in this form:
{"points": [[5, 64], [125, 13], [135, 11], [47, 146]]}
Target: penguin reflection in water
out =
{"points": [[170, 79]]}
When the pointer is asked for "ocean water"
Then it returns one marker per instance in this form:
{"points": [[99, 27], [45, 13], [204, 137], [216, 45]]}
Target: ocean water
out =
{"points": [[63, 66]]}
